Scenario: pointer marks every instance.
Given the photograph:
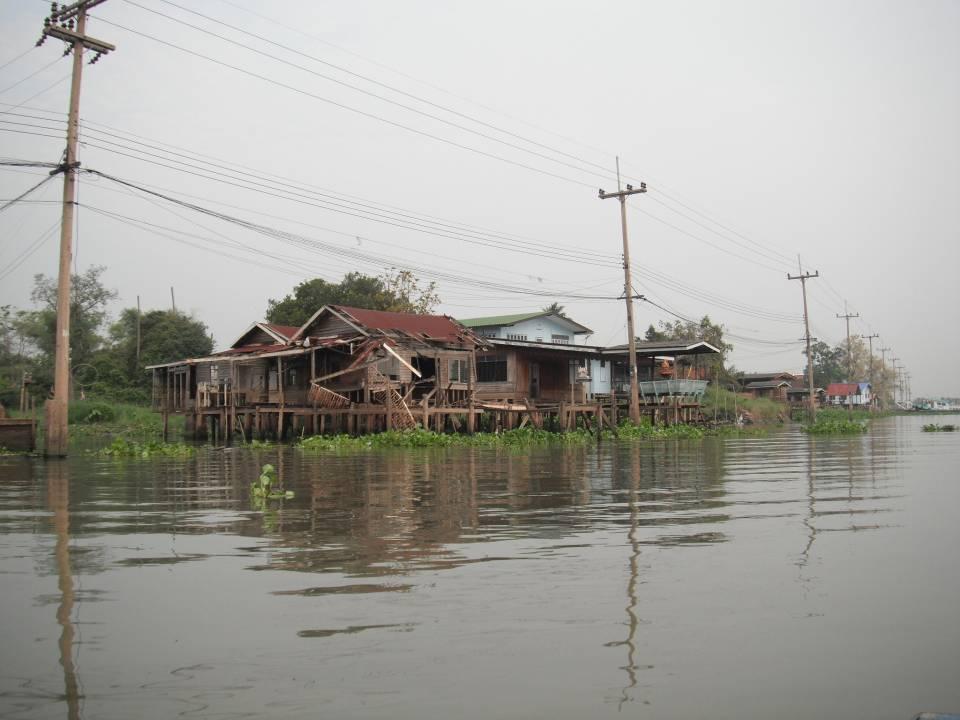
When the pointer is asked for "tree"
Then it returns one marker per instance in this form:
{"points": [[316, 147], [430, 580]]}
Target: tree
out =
{"points": [[555, 308], [395, 290], [829, 363], [688, 331], [88, 310], [165, 336]]}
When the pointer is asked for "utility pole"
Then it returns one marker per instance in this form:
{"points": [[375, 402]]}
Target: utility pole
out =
{"points": [[173, 301], [803, 277], [869, 339], [846, 315], [896, 379], [60, 24], [883, 362], [909, 391], [628, 293]]}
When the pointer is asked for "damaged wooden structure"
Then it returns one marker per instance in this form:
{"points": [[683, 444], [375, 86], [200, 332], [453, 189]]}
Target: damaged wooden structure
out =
{"points": [[354, 370], [346, 369]]}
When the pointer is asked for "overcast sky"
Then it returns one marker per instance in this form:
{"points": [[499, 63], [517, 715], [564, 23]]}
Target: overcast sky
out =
{"points": [[467, 141]]}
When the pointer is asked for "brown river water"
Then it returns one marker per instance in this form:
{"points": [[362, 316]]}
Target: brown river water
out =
{"points": [[780, 576]]}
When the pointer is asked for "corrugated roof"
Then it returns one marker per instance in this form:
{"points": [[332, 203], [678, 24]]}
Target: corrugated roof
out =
{"points": [[496, 320], [287, 331], [843, 389], [766, 384], [697, 347], [507, 320], [437, 327]]}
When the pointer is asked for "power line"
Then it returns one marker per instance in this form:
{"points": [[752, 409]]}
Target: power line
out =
{"points": [[40, 184], [36, 72], [14, 59], [344, 106], [606, 174]]}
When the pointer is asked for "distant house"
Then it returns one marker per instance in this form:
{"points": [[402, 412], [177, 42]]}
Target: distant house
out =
{"points": [[772, 385], [799, 390], [849, 394]]}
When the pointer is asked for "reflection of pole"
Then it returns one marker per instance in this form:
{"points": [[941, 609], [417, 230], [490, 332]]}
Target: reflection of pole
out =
{"points": [[58, 497], [631, 608]]}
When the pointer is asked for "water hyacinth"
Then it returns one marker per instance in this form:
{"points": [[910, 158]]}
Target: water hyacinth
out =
{"points": [[835, 427], [121, 447]]}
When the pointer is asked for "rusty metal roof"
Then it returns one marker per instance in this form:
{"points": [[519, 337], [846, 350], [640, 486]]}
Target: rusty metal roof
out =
{"points": [[843, 389], [287, 331], [433, 327]]}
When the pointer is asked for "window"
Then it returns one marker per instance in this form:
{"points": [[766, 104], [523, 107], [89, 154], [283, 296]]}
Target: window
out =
{"points": [[560, 339], [516, 337], [491, 368], [488, 332], [458, 371], [214, 373]]}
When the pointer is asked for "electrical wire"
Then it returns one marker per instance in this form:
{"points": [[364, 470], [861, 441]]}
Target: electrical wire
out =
{"points": [[36, 72]]}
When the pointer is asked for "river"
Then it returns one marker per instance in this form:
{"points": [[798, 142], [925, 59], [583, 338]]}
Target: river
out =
{"points": [[780, 576]]}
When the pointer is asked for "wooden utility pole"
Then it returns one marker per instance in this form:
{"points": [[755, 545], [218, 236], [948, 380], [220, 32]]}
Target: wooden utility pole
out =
{"points": [[846, 315], [60, 24], [869, 339], [628, 293], [173, 301], [803, 277]]}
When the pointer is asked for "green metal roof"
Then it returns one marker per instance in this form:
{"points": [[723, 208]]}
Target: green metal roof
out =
{"points": [[503, 320], [499, 319]]}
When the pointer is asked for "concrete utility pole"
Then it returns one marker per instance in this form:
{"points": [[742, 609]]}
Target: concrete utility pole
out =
{"points": [[60, 25], [628, 293], [847, 316], [803, 277], [869, 339], [896, 379], [883, 362]]}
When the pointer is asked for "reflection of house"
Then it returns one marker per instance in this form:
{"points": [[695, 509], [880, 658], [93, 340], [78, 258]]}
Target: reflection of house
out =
{"points": [[848, 394]]}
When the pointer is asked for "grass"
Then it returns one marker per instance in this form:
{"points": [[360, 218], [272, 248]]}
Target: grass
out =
{"points": [[92, 420], [934, 427], [725, 405]]}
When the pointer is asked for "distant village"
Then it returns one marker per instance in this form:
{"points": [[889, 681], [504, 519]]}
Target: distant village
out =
{"points": [[356, 370]]}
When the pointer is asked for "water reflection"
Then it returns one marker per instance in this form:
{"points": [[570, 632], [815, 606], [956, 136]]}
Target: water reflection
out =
{"points": [[58, 500], [615, 570]]}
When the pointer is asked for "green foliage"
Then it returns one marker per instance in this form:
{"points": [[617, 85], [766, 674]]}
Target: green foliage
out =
{"points": [[647, 431], [831, 426], [165, 336], [124, 448], [90, 411], [726, 406], [396, 290], [934, 427], [268, 487]]}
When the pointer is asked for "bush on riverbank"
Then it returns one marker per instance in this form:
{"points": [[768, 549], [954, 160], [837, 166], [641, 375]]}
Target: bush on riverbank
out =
{"points": [[90, 420], [831, 426], [725, 405]]}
